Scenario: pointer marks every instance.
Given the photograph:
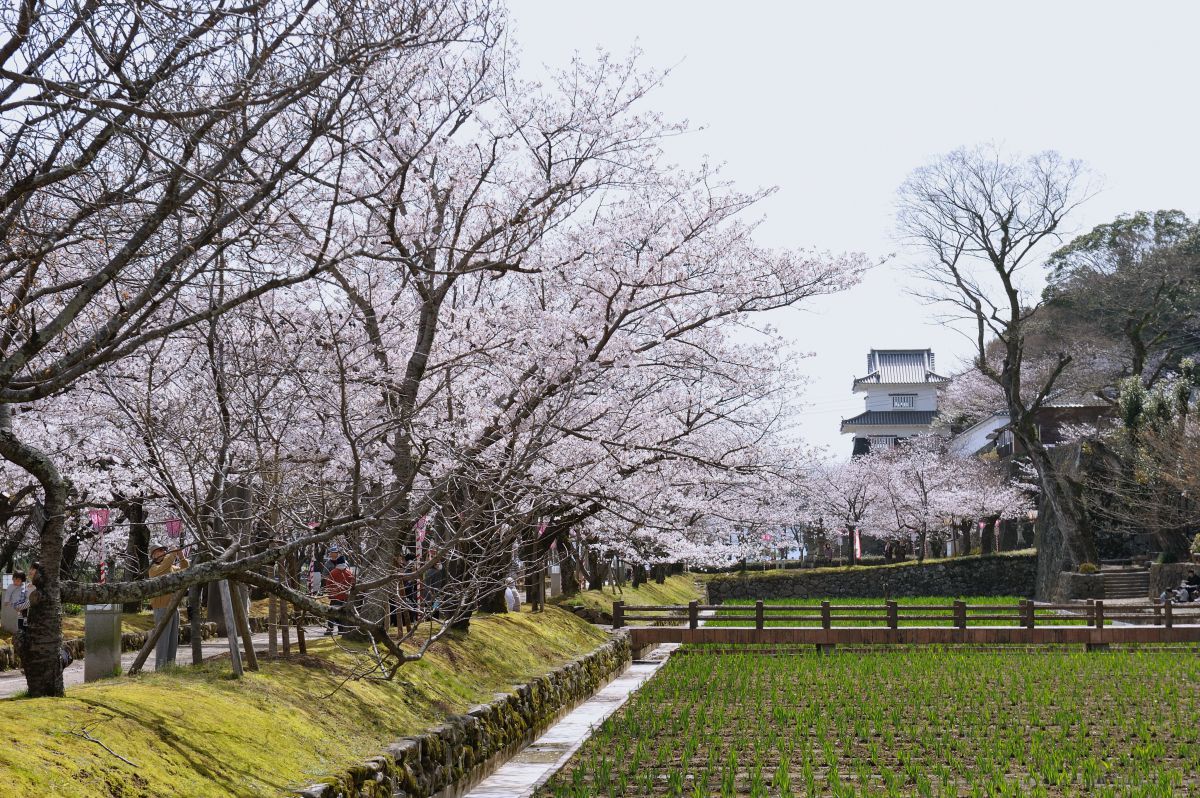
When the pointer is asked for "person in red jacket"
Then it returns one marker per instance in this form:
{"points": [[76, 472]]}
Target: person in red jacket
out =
{"points": [[338, 585]]}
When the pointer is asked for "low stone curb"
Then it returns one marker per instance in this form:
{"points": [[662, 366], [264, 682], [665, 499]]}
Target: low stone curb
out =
{"points": [[450, 758]]}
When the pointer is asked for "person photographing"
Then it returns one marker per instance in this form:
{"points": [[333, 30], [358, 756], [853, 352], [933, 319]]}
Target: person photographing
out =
{"points": [[162, 562]]}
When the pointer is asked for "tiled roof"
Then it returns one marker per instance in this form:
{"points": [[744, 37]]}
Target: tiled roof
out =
{"points": [[887, 418], [899, 366]]}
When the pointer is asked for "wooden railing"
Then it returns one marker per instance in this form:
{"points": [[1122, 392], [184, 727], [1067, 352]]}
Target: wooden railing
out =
{"points": [[828, 624]]}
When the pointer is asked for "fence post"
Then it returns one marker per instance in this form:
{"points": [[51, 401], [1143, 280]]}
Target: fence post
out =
{"points": [[1167, 613], [693, 614], [960, 614], [1091, 612], [618, 614], [825, 620], [893, 620], [758, 615], [1099, 607], [1027, 615]]}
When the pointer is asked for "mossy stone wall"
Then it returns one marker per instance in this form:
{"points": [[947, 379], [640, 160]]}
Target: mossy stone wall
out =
{"points": [[451, 757]]}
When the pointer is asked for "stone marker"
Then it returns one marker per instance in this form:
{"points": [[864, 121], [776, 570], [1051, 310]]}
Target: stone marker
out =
{"points": [[101, 641]]}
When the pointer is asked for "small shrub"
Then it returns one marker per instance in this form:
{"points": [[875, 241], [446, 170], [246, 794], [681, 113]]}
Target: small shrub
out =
{"points": [[1167, 557], [72, 609], [1089, 568], [1196, 544]]}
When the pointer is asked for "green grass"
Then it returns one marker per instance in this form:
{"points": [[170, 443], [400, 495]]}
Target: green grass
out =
{"points": [[197, 732], [676, 590], [740, 619], [73, 624], [852, 617], [901, 723]]}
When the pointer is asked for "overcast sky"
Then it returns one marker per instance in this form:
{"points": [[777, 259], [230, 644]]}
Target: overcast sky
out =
{"points": [[836, 102]]}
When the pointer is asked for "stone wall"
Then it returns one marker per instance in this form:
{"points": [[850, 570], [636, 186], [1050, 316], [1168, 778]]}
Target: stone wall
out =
{"points": [[130, 641], [998, 575], [1071, 586], [1168, 575], [453, 756]]}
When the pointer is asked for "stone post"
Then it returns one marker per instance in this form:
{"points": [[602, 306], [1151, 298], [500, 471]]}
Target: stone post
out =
{"points": [[102, 641]]}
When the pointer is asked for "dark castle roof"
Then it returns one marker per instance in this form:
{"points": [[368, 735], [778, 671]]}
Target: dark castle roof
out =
{"points": [[888, 418]]}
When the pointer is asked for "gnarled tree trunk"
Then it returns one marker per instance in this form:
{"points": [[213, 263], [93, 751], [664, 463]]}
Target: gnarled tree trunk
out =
{"points": [[43, 632]]}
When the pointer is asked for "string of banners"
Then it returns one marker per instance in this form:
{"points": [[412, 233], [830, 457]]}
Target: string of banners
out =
{"points": [[100, 520]]}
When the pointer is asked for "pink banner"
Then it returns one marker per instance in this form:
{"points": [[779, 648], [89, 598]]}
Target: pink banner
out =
{"points": [[99, 518], [174, 527]]}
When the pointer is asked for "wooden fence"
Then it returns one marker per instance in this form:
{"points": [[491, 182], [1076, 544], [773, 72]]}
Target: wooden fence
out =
{"points": [[828, 624]]}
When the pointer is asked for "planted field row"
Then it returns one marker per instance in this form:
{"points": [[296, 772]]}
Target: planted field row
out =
{"points": [[905, 723]]}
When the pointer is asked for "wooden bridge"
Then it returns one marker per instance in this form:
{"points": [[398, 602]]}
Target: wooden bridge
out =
{"points": [[828, 625]]}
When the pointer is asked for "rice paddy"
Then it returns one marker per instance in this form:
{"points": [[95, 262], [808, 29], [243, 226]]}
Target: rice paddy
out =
{"points": [[932, 723]]}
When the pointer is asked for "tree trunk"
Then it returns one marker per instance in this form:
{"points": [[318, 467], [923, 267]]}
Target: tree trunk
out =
{"points": [[1061, 497], [493, 601], [987, 537], [568, 573], [137, 550], [43, 632], [597, 571]]}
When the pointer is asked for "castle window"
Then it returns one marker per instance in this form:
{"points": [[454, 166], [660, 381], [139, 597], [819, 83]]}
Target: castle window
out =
{"points": [[903, 401]]}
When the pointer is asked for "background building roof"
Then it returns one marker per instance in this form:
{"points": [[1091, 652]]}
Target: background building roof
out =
{"points": [[902, 418], [900, 367]]}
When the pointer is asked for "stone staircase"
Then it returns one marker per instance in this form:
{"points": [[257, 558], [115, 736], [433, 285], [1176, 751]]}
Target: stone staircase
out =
{"points": [[1123, 582]]}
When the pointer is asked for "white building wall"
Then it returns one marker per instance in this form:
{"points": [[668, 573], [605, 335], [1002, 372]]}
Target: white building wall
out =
{"points": [[879, 397], [971, 440]]}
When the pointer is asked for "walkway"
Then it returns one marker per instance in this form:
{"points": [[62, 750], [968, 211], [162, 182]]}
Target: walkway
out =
{"points": [[531, 768], [13, 681]]}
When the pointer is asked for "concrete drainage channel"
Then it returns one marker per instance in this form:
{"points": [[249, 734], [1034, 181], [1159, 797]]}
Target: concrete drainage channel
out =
{"points": [[537, 762]]}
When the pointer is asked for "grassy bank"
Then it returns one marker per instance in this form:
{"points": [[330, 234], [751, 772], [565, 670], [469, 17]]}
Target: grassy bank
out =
{"points": [[851, 617], [196, 732], [73, 624], [676, 590]]}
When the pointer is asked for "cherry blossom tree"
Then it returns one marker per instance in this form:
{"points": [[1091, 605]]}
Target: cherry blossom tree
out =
{"points": [[148, 151], [925, 492], [394, 292]]}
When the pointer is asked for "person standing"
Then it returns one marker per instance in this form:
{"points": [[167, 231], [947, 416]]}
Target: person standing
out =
{"points": [[8, 612], [22, 602], [434, 587], [164, 562], [338, 585], [512, 599]]}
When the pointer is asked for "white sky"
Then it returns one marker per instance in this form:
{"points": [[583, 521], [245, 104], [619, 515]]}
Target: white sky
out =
{"points": [[836, 102]]}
